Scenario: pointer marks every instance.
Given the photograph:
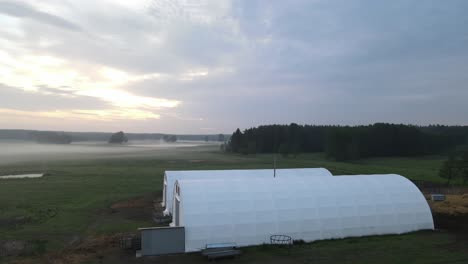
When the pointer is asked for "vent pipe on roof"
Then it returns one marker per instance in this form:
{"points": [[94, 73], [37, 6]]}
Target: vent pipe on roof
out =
{"points": [[274, 165]]}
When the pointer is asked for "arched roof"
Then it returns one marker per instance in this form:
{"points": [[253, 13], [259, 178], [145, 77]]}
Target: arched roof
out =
{"points": [[170, 177], [308, 208]]}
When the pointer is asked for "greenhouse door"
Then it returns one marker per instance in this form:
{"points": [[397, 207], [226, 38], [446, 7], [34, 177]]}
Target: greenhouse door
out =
{"points": [[177, 212], [164, 195]]}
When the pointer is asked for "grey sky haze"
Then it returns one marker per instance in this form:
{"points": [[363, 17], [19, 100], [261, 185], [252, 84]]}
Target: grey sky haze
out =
{"points": [[179, 66]]}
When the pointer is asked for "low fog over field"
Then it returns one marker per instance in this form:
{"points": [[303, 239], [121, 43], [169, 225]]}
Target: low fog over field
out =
{"points": [[21, 151]]}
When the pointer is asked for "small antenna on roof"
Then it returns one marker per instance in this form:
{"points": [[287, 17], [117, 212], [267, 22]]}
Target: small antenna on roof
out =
{"points": [[274, 165]]}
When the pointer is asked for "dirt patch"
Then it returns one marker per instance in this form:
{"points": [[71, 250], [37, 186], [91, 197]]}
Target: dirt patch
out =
{"points": [[14, 222], [451, 214], [454, 223], [80, 250], [93, 244], [14, 248], [453, 205], [102, 248], [89, 248], [137, 208], [137, 202]]}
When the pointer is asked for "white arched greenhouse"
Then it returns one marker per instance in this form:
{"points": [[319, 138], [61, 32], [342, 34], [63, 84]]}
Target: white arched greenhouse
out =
{"points": [[170, 177], [248, 212]]}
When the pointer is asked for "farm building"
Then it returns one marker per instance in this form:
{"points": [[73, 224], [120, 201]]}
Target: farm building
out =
{"points": [[248, 212], [170, 178]]}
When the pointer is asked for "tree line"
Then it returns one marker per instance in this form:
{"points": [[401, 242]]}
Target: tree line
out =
{"points": [[52, 137], [348, 142], [36, 136]]}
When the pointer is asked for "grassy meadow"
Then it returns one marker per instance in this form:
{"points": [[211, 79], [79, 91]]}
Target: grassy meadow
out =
{"points": [[72, 201]]}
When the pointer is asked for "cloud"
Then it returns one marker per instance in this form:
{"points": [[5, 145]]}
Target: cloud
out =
{"points": [[51, 76], [20, 10], [127, 100], [49, 99], [94, 115], [228, 64]]}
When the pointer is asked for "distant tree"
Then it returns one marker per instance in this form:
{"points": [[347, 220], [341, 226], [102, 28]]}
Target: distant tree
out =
{"points": [[294, 139], [221, 138], [284, 149], [225, 147], [170, 138], [236, 140], [206, 139], [46, 137], [353, 149], [244, 150], [464, 175], [252, 147], [456, 166], [295, 149], [446, 171], [463, 164], [118, 138]]}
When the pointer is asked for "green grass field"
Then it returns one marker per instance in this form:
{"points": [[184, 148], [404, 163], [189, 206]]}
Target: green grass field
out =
{"points": [[68, 202]]}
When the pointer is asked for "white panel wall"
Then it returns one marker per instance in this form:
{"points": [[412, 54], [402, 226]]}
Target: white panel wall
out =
{"points": [[248, 212]]}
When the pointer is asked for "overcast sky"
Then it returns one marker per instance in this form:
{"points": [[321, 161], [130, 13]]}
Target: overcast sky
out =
{"points": [[212, 66]]}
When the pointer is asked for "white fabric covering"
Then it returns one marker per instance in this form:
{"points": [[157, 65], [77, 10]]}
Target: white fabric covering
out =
{"points": [[170, 178], [248, 212]]}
